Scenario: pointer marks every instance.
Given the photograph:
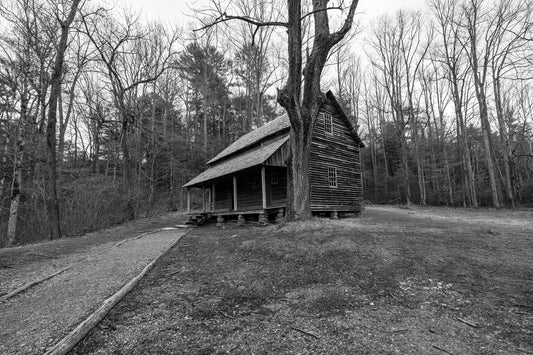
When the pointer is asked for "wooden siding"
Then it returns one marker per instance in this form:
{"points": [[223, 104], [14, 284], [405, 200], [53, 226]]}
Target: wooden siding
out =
{"points": [[249, 194], [279, 158], [276, 194], [224, 194], [338, 150]]}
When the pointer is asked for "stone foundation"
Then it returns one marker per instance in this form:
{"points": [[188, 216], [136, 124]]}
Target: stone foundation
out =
{"points": [[220, 221]]}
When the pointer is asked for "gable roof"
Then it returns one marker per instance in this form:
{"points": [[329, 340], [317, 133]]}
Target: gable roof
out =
{"points": [[349, 123], [254, 136], [242, 154], [246, 160]]}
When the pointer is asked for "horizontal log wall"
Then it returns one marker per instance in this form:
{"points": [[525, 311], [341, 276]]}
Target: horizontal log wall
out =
{"points": [[338, 150], [279, 158], [249, 194], [224, 194], [276, 193], [249, 190]]}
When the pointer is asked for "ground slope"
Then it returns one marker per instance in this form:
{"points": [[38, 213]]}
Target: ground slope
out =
{"points": [[409, 281]]}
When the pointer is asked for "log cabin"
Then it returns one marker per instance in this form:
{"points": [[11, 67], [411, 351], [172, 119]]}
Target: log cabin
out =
{"points": [[248, 179]]}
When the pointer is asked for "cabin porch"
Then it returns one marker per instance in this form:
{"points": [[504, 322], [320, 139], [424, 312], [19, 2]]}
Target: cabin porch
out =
{"points": [[256, 193]]}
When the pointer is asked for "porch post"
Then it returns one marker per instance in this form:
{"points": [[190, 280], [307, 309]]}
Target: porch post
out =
{"points": [[188, 200], [263, 186], [234, 192], [213, 193], [203, 197]]}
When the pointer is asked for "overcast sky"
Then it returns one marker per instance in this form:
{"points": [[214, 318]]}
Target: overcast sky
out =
{"points": [[177, 10]]}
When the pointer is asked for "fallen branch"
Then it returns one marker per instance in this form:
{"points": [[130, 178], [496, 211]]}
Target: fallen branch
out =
{"points": [[31, 284], [75, 336], [305, 332], [400, 301], [134, 238], [234, 348], [473, 325], [226, 315], [520, 305], [443, 350]]}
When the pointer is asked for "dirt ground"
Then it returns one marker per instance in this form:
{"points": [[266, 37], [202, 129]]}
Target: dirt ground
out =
{"points": [[405, 281]]}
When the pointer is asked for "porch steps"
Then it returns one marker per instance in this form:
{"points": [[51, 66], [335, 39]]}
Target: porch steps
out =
{"points": [[198, 219]]}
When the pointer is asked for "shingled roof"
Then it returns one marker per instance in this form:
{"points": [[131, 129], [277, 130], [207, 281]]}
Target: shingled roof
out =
{"points": [[254, 136], [249, 159]]}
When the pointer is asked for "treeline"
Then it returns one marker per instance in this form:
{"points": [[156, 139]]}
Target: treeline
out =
{"points": [[109, 124], [445, 104], [141, 107]]}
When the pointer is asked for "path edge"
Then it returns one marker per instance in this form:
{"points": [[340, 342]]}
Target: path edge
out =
{"points": [[85, 327], [30, 284]]}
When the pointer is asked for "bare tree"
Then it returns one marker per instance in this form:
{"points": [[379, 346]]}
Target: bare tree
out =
{"points": [[389, 62], [132, 57], [76, 63], [507, 35], [447, 15], [52, 203], [477, 46]]}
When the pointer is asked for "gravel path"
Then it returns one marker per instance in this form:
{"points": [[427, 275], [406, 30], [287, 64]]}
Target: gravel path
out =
{"points": [[35, 320]]}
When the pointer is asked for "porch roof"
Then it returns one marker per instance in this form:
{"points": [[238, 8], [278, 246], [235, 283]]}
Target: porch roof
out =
{"points": [[254, 136], [240, 162]]}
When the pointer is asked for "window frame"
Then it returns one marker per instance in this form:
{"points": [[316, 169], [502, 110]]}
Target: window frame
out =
{"points": [[255, 182], [274, 179], [328, 123], [333, 177]]}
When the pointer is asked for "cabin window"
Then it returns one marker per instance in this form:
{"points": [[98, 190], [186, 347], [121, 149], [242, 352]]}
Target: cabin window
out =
{"points": [[255, 182], [332, 177], [274, 179], [328, 123]]}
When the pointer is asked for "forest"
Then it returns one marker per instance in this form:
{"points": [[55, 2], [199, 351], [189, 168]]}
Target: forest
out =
{"points": [[104, 115]]}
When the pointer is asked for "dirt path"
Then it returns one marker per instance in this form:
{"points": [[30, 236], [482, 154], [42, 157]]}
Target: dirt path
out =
{"points": [[39, 317], [23, 264]]}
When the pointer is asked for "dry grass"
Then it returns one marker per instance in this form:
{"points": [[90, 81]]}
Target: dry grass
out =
{"points": [[415, 281]]}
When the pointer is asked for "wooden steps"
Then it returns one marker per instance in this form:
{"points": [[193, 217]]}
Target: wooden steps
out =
{"points": [[198, 219]]}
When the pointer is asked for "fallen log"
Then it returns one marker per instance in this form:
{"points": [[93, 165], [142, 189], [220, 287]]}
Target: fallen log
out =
{"points": [[85, 327], [31, 284]]}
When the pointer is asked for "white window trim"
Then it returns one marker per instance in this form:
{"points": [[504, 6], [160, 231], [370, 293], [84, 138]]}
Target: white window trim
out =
{"points": [[274, 179], [335, 174], [328, 117]]}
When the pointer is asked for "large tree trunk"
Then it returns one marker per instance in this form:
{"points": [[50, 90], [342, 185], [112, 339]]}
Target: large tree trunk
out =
{"points": [[16, 187], [485, 128], [470, 180], [64, 119], [421, 179], [504, 139], [303, 109], [52, 204], [298, 198], [15, 193], [7, 142], [479, 72], [204, 105], [405, 168]]}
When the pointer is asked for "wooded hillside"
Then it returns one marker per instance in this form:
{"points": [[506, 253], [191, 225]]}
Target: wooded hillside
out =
{"points": [[443, 102]]}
